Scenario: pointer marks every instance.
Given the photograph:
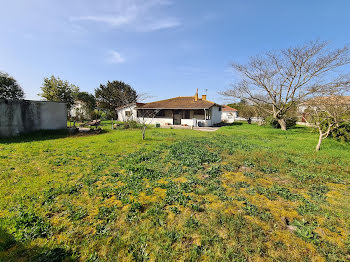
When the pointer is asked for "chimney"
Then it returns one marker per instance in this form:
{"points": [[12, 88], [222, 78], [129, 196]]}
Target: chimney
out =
{"points": [[204, 97], [196, 95]]}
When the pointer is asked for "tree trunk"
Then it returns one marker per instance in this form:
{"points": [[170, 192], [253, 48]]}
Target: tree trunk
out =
{"points": [[322, 136], [143, 132], [282, 123], [318, 147]]}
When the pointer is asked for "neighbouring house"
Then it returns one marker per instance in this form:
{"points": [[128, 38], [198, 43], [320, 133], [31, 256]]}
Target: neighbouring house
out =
{"points": [[79, 110], [319, 101], [228, 114], [24, 116], [182, 110]]}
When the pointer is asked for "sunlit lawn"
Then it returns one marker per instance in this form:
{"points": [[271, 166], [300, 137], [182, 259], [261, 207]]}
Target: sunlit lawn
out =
{"points": [[241, 193]]}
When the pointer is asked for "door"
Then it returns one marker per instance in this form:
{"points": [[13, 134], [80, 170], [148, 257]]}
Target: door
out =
{"points": [[177, 117]]}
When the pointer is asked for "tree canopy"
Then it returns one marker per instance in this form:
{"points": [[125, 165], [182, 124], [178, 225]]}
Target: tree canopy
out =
{"points": [[88, 99], [115, 94], [9, 88], [282, 79], [55, 89], [89, 102]]}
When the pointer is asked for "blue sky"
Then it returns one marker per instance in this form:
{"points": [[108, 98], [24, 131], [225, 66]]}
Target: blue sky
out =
{"points": [[164, 48]]}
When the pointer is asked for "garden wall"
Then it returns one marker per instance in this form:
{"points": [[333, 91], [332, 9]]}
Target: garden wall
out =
{"points": [[24, 116]]}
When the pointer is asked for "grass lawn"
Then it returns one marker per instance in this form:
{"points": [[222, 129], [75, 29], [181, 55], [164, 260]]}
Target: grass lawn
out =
{"points": [[242, 193]]}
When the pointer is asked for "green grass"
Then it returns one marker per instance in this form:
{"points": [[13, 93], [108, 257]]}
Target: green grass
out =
{"points": [[242, 193]]}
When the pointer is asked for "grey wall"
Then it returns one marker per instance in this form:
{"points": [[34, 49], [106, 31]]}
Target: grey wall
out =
{"points": [[26, 116]]}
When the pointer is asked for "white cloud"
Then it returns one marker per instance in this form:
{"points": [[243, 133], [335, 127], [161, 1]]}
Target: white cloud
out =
{"points": [[108, 19], [136, 15], [115, 57], [161, 24]]}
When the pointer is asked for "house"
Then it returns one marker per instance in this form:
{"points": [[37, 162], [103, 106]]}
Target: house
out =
{"points": [[228, 114], [182, 110]]}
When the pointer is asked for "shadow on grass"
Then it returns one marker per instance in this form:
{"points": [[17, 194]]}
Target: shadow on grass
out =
{"points": [[229, 124], [45, 135], [12, 250]]}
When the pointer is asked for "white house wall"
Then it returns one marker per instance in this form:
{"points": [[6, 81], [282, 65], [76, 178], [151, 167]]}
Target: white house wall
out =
{"points": [[162, 121], [215, 115], [122, 114]]}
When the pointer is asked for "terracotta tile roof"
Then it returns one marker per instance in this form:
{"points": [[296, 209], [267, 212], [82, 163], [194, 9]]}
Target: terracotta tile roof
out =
{"points": [[180, 102], [228, 109], [131, 104]]}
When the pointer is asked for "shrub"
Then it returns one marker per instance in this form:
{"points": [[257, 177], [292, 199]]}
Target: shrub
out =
{"points": [[342, 133], [133, 124], [290, 122]]}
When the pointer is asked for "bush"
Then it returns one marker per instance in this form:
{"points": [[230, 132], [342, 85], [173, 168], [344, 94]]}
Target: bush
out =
{"points": [[98, 114], [133, 124], [128, 124], [342, 133], [290, 122]]}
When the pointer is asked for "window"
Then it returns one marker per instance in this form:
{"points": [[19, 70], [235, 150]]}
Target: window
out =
{"points": [[127, 113], [187, 114]]}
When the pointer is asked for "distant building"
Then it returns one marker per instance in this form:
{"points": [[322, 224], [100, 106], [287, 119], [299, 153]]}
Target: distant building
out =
{"points": [[229, 114], [182, 110], [319, 101], [79, 110]]}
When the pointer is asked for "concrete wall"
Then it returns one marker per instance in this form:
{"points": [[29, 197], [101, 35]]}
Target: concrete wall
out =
{"points": [[26, 116]]}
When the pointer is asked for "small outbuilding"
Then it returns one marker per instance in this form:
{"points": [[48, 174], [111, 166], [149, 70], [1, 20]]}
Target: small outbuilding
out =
{"points": [[24, 116], [229, 114]]}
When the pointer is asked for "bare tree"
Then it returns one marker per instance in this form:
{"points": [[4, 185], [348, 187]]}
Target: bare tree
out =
{"points": [[327, 113], [279, 80], [145, 118]]}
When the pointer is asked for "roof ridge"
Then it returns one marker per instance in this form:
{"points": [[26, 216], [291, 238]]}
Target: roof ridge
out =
{"points": [[181, 102], [169, 99]]}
